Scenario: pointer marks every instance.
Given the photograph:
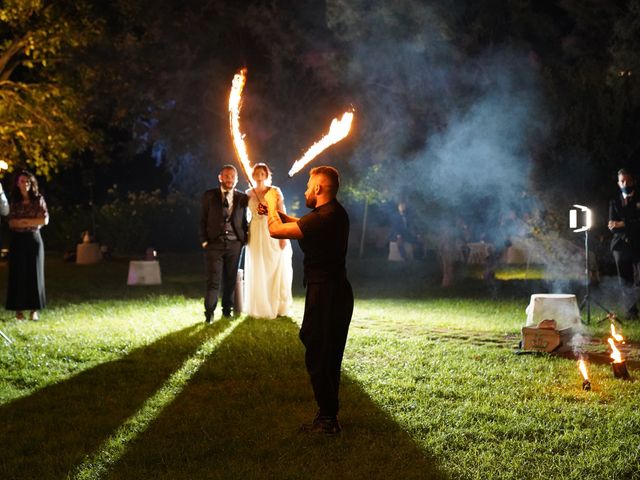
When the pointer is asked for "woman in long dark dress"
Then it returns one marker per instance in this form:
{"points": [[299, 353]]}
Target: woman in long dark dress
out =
{"points": [[25, 290]]}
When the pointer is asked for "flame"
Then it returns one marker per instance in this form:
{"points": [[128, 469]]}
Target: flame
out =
{"points": [[616, 336], [615, 353], [338, 130], [235, 104], [3, 165], [583, 369]]}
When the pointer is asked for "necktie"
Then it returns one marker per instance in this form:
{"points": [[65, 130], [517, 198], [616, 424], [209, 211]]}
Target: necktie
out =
{"points": [[226, 202]]}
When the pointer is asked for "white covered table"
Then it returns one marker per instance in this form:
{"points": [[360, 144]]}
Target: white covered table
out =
{"points": [[561, 307], [144, 272], [478, 252], [88, 253], [396, 256]]}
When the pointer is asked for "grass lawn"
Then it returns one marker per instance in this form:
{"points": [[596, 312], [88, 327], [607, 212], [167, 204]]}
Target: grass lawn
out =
{"points": [[127, 383]]}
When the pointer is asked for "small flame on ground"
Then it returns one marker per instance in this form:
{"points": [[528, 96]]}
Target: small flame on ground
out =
{"points": [[338, 130], [616, 356], [235, 104], [583, 369]]}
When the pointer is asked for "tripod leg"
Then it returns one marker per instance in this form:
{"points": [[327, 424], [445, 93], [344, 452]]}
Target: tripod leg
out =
{"points": [[583, 302], [6, 338]]}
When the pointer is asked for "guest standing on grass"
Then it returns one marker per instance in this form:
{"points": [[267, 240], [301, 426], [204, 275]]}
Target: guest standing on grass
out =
{"points": [[268, 272], [323, 235], [4, 203], [624, 223], [25, 289], [223, 232]]}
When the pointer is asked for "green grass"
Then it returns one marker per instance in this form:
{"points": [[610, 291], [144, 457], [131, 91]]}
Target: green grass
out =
{"points": [[126, 382]]}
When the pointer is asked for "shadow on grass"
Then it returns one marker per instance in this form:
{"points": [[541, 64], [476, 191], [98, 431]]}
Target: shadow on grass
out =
{"points": [[182, 274], [238, 417], [47, 433]]}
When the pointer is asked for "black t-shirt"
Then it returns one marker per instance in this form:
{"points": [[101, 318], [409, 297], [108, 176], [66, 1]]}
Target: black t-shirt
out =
{"points": [[326, 235]]}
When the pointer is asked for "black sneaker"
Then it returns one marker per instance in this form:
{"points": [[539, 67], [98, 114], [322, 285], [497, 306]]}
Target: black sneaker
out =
{"points": [[226, 313], [207, 317], [324, 424]]}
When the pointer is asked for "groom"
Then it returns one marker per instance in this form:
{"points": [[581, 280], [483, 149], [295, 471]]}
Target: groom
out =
{"points": [[223, 232]]}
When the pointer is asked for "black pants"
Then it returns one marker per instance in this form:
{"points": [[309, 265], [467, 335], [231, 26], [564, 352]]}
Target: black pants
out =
{"points": [[327, 315], [221, 260], [628, 266]]}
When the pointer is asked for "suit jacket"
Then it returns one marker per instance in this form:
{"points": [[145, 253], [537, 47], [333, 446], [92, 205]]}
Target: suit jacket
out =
{"points": [[628, 237], [402, 226], [212, 222]]}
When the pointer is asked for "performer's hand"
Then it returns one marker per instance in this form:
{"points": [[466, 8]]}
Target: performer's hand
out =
{"points": [[615, 224], [263, 209]]}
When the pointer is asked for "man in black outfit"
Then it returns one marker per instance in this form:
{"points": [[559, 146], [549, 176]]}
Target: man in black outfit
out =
{"points": [[624, 222], [223, 232], [402, 232], [323, 235]]}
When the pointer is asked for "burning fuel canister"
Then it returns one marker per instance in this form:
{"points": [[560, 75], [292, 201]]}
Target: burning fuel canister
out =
{"points": [[582, 366], [620, 370]]}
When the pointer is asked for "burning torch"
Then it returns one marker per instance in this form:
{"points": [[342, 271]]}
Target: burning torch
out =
{"points": [[338, 130], [235, 104]]}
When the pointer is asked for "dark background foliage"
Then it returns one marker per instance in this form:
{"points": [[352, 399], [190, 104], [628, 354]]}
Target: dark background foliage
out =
{"points": [[463, 108]]}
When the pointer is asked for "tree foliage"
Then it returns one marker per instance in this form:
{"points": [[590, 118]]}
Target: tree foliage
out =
{"points": [[42, 117], [119, 78]]}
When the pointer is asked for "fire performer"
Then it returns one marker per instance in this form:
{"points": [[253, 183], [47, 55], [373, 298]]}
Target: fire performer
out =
{"points": [[323, 235], [624, 222], [223, 232]]}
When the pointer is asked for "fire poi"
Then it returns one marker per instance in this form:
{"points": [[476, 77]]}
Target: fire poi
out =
{"points": [[338, 130], [235, 104]]}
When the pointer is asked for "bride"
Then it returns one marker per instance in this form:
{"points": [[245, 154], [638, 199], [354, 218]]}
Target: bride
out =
{"points": [[267, 266]]}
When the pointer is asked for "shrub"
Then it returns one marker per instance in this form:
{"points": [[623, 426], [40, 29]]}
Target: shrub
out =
{"points": [[131, 223]]}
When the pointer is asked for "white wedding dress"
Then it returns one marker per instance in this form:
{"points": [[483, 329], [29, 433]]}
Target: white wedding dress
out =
{"points": [[268, 273]]}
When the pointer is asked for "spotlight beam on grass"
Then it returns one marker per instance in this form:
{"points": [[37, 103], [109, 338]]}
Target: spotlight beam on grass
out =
{"points": [[98, 465]]}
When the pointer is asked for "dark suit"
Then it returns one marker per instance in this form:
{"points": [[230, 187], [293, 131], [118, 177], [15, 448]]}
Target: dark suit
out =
{"points": [[225, 231], [402, 226], [625, 246]]}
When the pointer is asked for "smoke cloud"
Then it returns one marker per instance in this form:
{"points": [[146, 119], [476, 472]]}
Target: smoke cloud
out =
{"points": [[457, 127]]}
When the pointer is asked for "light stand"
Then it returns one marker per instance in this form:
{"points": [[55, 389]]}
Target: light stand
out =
{"points": [[586, 226]]}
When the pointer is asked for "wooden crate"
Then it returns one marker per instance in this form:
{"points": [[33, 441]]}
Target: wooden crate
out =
{"points": [[546, 339]]}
